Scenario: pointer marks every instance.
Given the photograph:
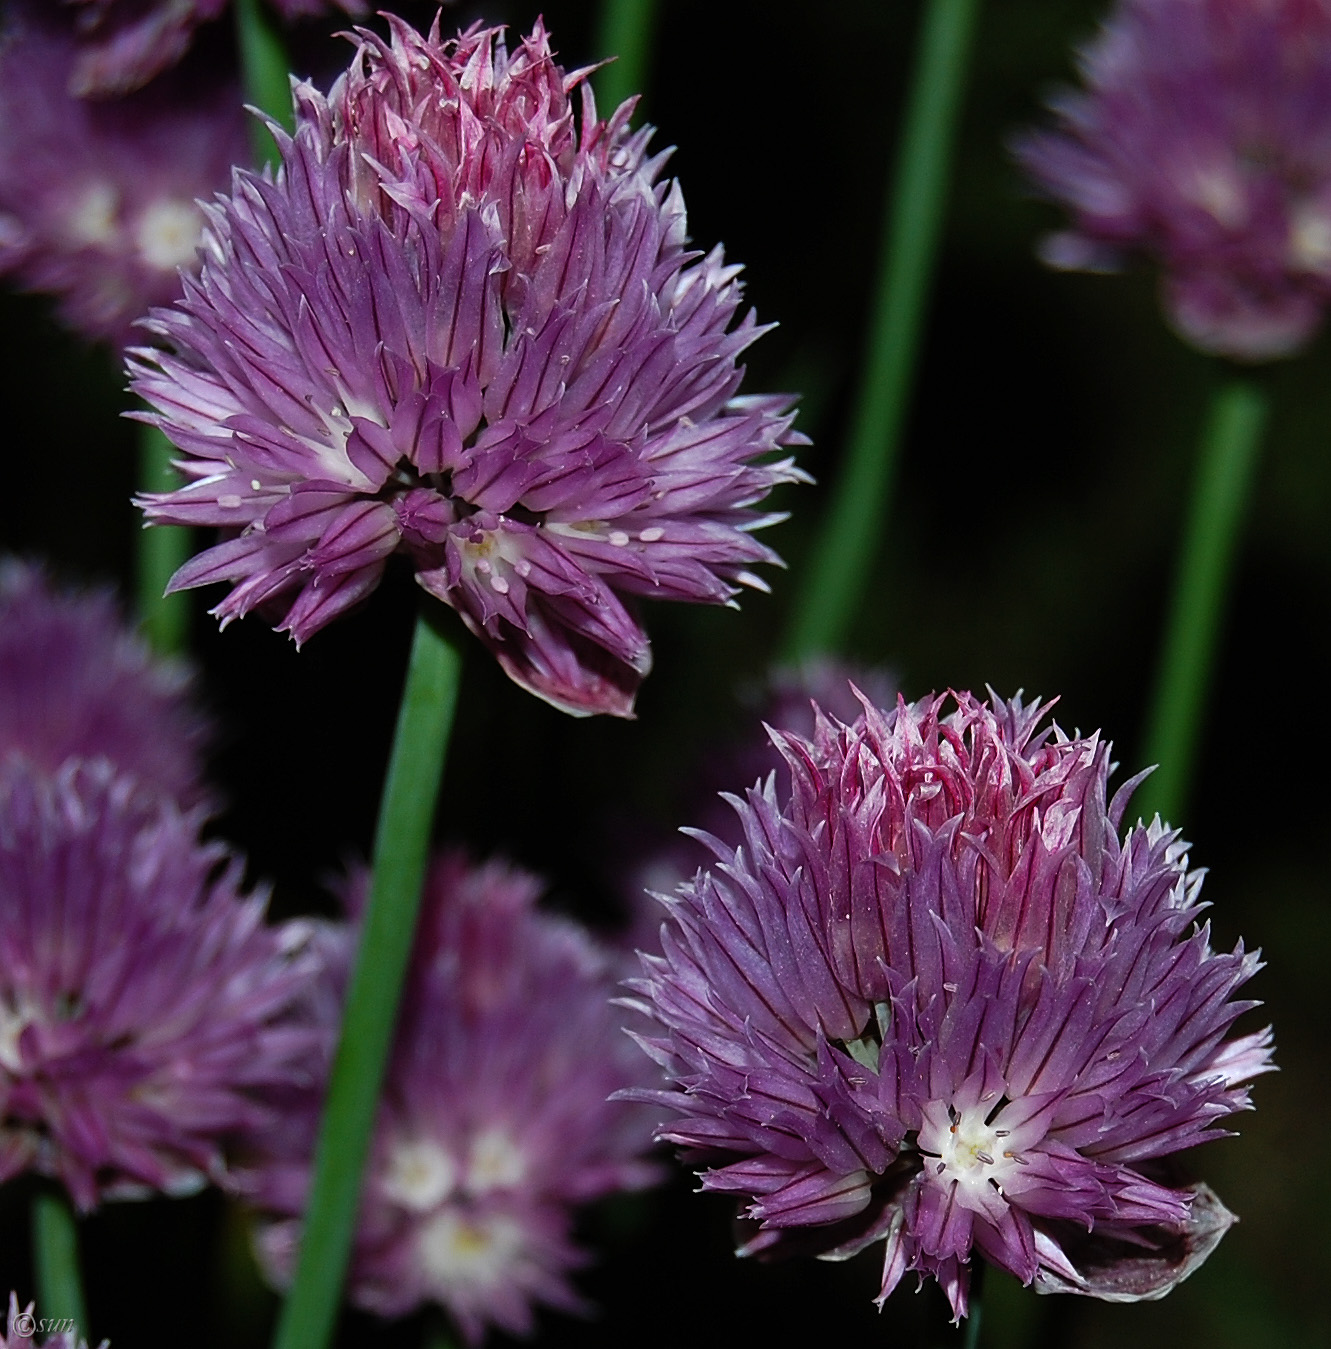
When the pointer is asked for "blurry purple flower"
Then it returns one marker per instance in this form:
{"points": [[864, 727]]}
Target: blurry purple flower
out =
{"points": [[1204, 140], [125, 43], [97, 201], [495, 1121], [141, 996], [24, 1324], [75, 682], [932, 1000], [457, 328]]}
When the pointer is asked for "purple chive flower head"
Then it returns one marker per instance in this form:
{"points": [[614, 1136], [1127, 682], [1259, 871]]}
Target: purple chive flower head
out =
{"points": [[125, 43], [461, 326], [76, 683], [495, 1121], [934, 1000], [98, 201], [1203, 139], [24, 1324], [141, 996]]}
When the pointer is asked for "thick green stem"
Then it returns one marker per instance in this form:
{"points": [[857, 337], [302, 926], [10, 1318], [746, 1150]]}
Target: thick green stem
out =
{"points": [[843, 556], [1224, 472], [264, 67], [55, 1245], [626, 31], [162, 550], [400, 852]]}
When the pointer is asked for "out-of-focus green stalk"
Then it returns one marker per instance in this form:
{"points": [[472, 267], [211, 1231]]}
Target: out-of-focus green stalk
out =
{"points": [[264, 67], [838, 572], [55, 1247], [1224, 472], [626, 31], [162, 550], [400, 852]]}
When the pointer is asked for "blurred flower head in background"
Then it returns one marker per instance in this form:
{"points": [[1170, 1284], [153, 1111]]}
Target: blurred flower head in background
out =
{"points": [[75, 682], [459, 327], [495, 1122], [122, 44], [933, 1000], [98, 201], [142, 997], [1203, 139]]}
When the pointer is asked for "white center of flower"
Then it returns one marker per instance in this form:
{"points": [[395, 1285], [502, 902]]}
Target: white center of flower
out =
{"points": [[462, 1251], [93, 217], [962, 1147], [1310, 238], [14, 1020], [496, 1163], [1218, 190], [167, 234], [420, 1174]]}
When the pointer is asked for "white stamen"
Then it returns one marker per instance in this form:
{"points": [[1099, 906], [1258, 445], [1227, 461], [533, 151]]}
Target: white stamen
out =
{"points": [[168, 233]]}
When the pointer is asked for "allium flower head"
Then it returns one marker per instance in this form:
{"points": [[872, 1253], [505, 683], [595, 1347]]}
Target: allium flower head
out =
{"points": [[141, 996], [934, 1000], [98, 201], [495, 1120], [461, 327], [1203, 138], [24, 1324], [76, 683], [125, 43]]}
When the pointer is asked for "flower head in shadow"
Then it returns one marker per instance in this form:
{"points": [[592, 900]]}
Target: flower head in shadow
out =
{"points": [[1203, 139], [933, 999], [463, 326]]}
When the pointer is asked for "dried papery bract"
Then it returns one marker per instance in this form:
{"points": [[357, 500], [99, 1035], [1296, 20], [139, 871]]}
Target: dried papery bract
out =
{"points": [[934, 1000], [462, 326], [1203, 139], [495, 1122], [98, 201]]}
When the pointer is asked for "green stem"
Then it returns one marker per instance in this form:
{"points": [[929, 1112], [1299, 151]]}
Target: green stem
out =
{"points": [[55, 1243], [400, 852], [626, 31], [162, 550], [837, 574], [975, 1317], [264, 67], [1224, 471]]}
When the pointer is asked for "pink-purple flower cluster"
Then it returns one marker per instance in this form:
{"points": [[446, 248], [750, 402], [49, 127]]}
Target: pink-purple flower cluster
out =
{"points": [[23, 1325], [934, 1000], [460, 327], [145, 1006], [1203, 138], [495, 1121], [98, 200]]}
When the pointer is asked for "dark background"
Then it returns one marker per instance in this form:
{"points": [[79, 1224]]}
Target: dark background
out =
{"points": [[1030, 545]]}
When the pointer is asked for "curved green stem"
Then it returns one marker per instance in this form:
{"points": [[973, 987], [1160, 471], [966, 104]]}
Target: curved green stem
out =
{"points": [[625, 33], [264, 67], [400, 853], [55, 1245], [162, 550], [838, 571], [1224, 471]]}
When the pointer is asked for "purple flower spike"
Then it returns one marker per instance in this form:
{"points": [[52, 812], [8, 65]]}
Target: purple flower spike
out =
{"points": [[24, 1324], [458, 327], [1204, 140], [98, 201], [126, 43], [76, 683], [142, 999], [933, 1000], [495, 1121]]}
